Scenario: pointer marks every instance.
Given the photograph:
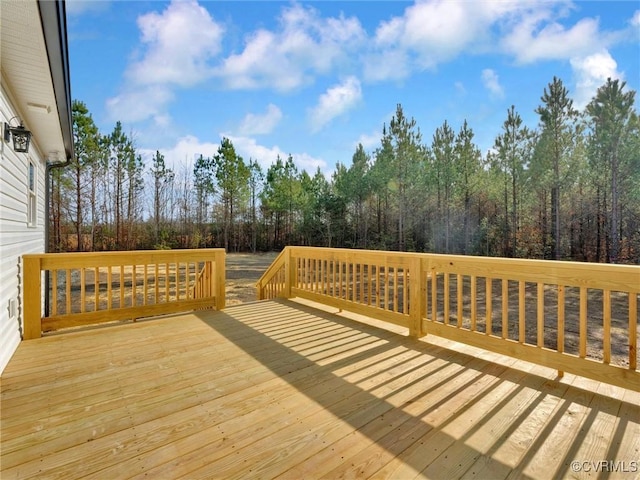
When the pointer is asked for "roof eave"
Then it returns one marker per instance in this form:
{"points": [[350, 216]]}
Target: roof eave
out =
{"points": [[54, 28]]}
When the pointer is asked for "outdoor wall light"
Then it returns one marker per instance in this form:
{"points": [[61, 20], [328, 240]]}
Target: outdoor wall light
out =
{"points": [[21, 136]]}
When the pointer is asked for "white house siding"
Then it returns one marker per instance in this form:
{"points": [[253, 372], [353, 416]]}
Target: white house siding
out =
{"points": [[16, 237]]}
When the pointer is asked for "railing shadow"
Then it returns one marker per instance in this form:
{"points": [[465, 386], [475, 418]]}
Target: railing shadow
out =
{"points": [[433, 398]]}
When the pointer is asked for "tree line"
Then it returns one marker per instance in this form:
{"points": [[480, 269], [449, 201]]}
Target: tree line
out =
{"points": [[568, 188]]}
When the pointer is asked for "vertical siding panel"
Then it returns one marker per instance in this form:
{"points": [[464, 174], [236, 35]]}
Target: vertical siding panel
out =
{"points": [[16, 238]]}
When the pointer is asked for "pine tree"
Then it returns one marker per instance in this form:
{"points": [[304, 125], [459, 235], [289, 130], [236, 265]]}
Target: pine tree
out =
{"points": [[611, 111], [443, 166], [204, 184], [162, 180], [232, 177], [556, 117], [512, 154], [405, 140], [86, 141], [469, 166]]}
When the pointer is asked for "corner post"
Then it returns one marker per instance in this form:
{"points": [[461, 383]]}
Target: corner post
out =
{"points": [[425, 265], [289, 272], [219, 275], [32, 287], [259, 290], [416, 299]]}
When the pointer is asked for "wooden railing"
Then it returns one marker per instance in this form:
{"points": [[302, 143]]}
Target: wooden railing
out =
{"points": [[580, 318], [273, 281], [203, 286], [90, 288]]}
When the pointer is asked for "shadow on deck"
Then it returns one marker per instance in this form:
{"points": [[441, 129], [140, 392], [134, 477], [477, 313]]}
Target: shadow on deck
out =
{"points": [[281, 389]]}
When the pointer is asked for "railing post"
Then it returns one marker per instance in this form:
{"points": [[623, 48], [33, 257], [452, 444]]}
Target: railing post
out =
{"points": [[424, 279], [289, 272], [416, 299], [219, 275], [32, 287], [259, 289]]}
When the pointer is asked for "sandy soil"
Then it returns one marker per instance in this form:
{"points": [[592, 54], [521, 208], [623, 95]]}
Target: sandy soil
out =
{"points": [[243, 271]]}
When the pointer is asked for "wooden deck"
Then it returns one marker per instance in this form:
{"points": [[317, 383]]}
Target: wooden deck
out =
{"points": [[279, 389]]}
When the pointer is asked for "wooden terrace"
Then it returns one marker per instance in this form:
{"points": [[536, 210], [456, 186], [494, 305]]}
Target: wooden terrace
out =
{"points": [[355, 364], [278, 389]]}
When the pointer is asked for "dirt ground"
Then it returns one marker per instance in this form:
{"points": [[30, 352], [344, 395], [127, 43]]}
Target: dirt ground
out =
{"points": [[243, 271]]}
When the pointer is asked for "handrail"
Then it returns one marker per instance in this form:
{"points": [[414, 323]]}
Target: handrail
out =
{"points": [[271, 283], [580, 318], [202, 285], [89, 288]]}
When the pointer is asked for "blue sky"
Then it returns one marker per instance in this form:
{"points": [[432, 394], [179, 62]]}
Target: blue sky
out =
{"points": [[314, 79]]}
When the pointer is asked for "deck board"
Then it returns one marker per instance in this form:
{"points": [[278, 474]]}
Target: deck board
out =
{"points": [[280, 389]]}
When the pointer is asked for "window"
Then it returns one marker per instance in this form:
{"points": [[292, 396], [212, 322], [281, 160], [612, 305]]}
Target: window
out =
{"points": [[32, 196]]}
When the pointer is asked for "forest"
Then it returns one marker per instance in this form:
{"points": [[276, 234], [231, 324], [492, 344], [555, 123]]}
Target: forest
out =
{"points": [[567, 188]]}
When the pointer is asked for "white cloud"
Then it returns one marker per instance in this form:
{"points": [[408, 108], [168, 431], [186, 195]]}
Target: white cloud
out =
{"points": [[139, 103], [591, 72], [256, 124], [368, 141], [190, 148], [388, 64], [163, 121], [183, 155], [440, 30], [529, 44], [248, 148], [334, 102], [306, 44], [434, 31], [492, 83], [257, 66], [308, 162], [178, 44]]}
